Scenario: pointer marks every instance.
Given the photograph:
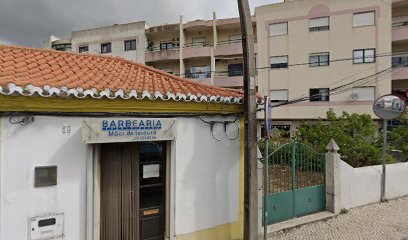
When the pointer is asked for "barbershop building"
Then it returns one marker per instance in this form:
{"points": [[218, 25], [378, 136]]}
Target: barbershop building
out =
{"points": [[101, 148]]}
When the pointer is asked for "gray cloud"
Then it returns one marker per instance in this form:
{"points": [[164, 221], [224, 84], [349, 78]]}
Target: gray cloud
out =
{"points": [[29, 22]]}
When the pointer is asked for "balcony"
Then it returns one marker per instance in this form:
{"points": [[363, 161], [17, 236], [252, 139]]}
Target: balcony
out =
{"points": [[400, 66], [159, 54], [199, 49], [231, 47], [229, 79], [400, 31], [202, 77]]}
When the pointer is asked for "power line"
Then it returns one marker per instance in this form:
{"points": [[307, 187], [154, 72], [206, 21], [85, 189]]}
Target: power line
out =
{"points": [[345, 78], [308, 63], [343, 88], [340, 60]]}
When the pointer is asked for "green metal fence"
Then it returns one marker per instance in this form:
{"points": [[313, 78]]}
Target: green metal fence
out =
{"points": [[296, 182]]}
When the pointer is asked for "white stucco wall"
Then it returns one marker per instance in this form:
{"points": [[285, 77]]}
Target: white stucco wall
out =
{"points": [[42, 143], [207, 176], [362, 186], [396, 180], [116, 34]]}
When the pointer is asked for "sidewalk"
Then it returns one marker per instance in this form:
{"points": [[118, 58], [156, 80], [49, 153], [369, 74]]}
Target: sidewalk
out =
{"points": [[377, 222]]}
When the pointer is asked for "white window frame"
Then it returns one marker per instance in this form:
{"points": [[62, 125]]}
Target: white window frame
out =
{"points": [[279, 33], [319, 63], [316, 27], [365, 93], [358, 19], [280, 64], [364, 57]]}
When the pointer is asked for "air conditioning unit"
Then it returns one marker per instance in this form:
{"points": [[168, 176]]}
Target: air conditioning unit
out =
{"points": [[354, 96]]}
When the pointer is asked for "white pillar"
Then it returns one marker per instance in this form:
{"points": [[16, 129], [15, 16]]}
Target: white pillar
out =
{"points": [[215, 39], [260, 192], [333, 183], [182, 68], [215, 35]]}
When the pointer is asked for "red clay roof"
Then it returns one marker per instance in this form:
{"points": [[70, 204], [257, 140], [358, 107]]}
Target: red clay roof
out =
{"points": [[31, 71]]}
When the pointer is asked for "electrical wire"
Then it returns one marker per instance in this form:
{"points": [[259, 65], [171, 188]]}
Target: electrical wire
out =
{"points": [[226, 132], [308, 63], [344, 88], [225, 124], [346, 78], [21, 120]]}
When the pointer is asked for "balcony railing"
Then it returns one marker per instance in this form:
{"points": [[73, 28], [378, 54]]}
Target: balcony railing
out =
{"points": [[176, 45], [399, 24], [198, 44], [197, 75], [233, 73], [401, 61], [231, 42], [158, 49]]}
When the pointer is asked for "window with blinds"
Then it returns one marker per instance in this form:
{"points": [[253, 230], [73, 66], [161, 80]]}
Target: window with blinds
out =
{"points": [[278, 29], [319, 24], [279, 62], [364, 94], [279, 96], [364, 19]]}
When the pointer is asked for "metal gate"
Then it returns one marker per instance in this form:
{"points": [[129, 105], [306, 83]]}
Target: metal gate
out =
{"points": [[296, 182]]}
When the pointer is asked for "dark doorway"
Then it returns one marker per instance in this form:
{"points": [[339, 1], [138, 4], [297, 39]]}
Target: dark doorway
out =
{"points": [[133, 191]]}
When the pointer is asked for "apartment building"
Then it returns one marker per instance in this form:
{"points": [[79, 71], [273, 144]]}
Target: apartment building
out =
{"points": [[207, 51], [329, 54], [123, 40], [400, 47]]}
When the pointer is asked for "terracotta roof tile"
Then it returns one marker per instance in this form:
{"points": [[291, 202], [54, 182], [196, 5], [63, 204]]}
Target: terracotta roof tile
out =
{"points": [[22, 66]]}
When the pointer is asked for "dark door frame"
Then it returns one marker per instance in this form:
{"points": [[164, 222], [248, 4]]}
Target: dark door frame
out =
{"points": [[169, 224]]}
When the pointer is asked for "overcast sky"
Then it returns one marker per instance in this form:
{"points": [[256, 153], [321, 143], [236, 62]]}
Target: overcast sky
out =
{"points": [[29, 22]]}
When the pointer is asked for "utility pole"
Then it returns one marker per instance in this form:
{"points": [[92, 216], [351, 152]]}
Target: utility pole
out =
{"points": [[250, 156]]}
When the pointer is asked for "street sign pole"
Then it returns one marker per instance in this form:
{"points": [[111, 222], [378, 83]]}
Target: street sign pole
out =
{"points": [[384, 153], [266, 167], [387, 108]]}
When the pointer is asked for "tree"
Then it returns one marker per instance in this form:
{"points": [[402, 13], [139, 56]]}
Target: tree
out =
{"points": [[355, 134], [398, 137]]}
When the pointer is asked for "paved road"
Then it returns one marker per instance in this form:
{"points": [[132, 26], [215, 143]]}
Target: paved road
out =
{"points": [[374, 222]]}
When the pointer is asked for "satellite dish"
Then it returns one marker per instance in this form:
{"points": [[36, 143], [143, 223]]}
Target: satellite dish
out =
{"points": [[354, 96], [389, 107]]}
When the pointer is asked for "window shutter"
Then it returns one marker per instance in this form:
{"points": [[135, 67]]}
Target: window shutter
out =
{"points": [[365, 93], [279, 95], [319, 22], [281, 59], [278, 29], [363, 19]]}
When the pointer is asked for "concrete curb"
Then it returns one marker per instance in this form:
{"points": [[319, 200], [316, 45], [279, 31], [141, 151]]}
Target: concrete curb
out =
{"points": [[298, 222]]}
